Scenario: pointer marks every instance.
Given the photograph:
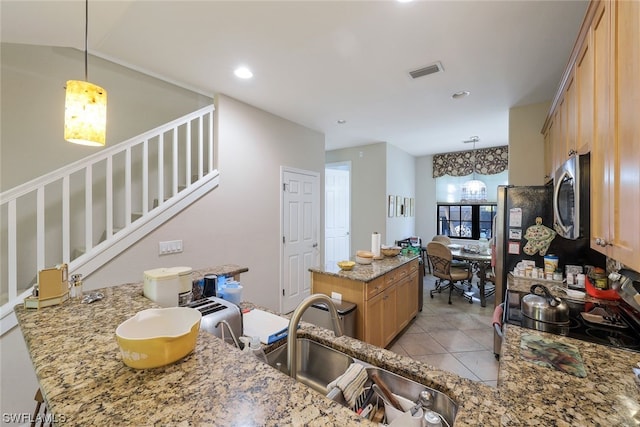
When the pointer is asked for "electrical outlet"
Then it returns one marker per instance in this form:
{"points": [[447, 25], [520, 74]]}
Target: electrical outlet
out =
{"points": [[170, 247], [336, 296]]}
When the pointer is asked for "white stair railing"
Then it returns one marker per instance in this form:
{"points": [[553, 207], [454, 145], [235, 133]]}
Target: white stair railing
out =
{"points": [[78, 212]]}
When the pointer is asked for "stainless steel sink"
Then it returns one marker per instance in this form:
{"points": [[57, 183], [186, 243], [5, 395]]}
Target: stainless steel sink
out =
{"points": [[318, 365], [440, 402]]}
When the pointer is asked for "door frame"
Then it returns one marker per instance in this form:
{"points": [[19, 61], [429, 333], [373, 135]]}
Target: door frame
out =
{"points": [[319, 226]]}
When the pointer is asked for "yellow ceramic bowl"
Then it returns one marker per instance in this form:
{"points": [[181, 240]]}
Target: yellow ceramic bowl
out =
{"points": [[158, 336], [346, 265]]}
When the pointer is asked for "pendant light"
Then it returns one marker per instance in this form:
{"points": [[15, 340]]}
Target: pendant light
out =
{"points": [[473, 190], [85, 107]]}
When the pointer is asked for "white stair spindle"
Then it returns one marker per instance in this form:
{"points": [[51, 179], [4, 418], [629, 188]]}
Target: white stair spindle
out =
{"points": [[127, 186], [174, 163], [12, 249], [200, 147], [145, 177], [161, 169], [40, 228], [109, 196], [88, 208], [187, 156], [66, 215]]}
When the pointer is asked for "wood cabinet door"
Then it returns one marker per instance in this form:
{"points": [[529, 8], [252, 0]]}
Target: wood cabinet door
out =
{"points": [[389, 315], [414, 282], [404, 300], [624, 154], [374, 318], [571, 119], [599, 173], [584, 96]]}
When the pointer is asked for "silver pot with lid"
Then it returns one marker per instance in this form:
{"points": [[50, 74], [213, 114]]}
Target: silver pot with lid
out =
{"points": [[545, 307]]}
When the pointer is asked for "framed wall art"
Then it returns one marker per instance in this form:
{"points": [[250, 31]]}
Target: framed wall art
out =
{"points": [[398, 205], [392, 206], [406, 206]]}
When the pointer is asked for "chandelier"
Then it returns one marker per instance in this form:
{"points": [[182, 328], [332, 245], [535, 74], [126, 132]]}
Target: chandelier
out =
{"points": [[473, 190], [85, 106]]}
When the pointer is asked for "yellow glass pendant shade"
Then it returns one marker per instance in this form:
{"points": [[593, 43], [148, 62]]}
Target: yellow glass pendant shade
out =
{"points": [[85, 113]]}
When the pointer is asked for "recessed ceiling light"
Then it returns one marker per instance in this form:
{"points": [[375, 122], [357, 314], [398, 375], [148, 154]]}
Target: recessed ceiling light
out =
{"points": [[243, 73], [342, 121], [460, 94], [404, 1]]}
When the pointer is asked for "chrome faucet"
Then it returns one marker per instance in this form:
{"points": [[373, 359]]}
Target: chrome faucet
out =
{"points": [[292, 338]]}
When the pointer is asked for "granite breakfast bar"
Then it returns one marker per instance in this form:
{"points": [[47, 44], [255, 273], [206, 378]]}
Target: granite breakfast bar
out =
{"points": [[84, 381]]}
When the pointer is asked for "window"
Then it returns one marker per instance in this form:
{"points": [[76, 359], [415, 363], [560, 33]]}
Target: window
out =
{"points": [[466, 221]]}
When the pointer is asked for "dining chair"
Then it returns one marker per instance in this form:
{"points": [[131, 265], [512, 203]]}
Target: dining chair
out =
{"points": [[446, 240], [440, 258]]}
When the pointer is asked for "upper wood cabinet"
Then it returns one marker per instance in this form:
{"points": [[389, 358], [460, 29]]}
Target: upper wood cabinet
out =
{"points": [[617, 232], [584, 75], [596, 110]]}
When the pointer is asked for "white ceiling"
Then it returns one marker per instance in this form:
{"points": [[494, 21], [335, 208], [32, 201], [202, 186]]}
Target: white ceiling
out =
{"points": [[315, 62]]}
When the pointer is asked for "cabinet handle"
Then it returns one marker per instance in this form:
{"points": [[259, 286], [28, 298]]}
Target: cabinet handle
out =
{"points": [[572, 152], [602, 242]]}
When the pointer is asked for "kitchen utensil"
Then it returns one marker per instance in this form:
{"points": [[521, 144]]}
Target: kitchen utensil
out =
{"points": [[545, 308], [570, 292], [629, 287], [390, 397], [552, 354], [158, 336]]}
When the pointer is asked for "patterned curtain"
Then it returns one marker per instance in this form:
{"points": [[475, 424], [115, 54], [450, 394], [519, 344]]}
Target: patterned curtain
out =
{"points": [[487, 161]]}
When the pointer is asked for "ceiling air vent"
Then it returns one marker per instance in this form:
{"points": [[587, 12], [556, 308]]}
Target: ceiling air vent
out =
{"points": [[425, 71]]}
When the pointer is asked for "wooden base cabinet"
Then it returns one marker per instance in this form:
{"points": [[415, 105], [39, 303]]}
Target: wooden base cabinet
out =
{"points": [[384, 305]]}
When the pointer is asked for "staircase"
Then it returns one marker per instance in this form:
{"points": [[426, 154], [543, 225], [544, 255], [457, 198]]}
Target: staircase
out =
{"points": [[89, 211]]}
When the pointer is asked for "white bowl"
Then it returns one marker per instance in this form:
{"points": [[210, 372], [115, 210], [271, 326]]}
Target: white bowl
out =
{"points": [[363, 260]]}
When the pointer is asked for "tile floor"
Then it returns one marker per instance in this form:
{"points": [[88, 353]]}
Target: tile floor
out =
{"points": [[456, 338]]}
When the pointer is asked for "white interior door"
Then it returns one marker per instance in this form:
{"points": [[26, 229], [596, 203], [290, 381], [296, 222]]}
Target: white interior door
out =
{"points": [[337, 213], [301, 234]]}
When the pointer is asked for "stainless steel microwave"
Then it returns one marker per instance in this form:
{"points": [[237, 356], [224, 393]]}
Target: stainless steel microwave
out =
{"points": [[571, 198]]}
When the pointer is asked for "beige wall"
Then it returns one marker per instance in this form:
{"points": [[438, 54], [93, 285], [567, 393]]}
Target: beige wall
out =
{"points": [[401, 181], [32, 114], [238, 222], [526, 144], [425, 198], [368, 181]]}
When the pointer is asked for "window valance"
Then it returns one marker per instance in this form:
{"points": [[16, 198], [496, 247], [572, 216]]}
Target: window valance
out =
{"points": [[488, 161]]}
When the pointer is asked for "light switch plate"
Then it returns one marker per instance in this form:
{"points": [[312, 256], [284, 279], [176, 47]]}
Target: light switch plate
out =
{"points": [[170, 247], [336, 296]]}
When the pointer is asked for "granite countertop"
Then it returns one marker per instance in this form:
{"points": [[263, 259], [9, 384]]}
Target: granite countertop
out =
{"points": [[366, 273], [84, 381], [535, 395], [82, 377]]}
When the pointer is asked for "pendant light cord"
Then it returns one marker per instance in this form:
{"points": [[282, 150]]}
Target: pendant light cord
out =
{"points": [[86, 38]]}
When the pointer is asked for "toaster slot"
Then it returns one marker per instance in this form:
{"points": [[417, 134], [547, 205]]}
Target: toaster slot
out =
{"points": [[212, 309], [199, 303]]}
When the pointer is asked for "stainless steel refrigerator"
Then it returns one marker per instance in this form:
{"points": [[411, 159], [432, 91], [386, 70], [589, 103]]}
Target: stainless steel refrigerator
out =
{"points": [[517, 210]]}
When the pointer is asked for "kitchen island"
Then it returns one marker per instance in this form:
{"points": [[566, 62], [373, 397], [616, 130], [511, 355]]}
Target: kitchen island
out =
{"points": [[84, 381], [385, 293]]}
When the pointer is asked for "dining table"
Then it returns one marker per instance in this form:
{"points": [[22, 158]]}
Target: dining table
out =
{"points": [[480, 261]]}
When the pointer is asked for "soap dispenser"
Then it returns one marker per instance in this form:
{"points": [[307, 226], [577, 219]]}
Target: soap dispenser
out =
{"points": [[253, 348]]}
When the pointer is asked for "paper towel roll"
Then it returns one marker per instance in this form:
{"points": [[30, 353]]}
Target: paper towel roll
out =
{"points": [[375, 244]]}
